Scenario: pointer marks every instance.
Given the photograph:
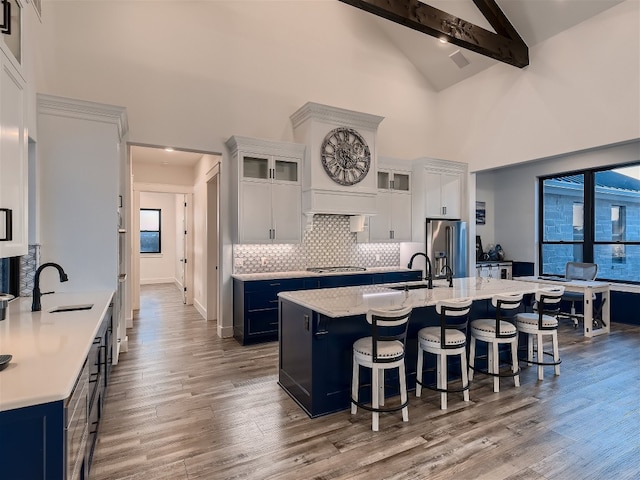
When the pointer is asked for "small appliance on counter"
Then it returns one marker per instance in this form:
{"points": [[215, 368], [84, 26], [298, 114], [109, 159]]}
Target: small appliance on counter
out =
{"points": [[4, 304]]}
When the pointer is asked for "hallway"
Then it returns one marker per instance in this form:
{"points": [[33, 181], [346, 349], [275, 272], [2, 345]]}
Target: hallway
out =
{"points": [[185, 404]]}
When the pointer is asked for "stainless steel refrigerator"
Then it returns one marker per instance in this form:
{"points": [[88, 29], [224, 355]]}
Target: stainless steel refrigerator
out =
{"points": [[447, 245]]}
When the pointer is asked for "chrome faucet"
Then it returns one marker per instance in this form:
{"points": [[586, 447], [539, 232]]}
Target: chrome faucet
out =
{"points": [[35, 304], [429, 276], [449, 273]]}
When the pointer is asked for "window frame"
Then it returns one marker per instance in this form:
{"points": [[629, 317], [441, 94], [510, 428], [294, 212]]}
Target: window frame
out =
{"points": [[589, 242], [159, 231]]}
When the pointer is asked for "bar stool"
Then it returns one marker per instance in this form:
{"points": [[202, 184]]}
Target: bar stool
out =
{"points": [[543, 321], [383, 350], [495, 332], [450, 338]]}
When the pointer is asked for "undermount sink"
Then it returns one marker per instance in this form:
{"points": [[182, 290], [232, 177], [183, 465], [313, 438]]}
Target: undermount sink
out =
{"points": [[414, 287], [71, 308]]}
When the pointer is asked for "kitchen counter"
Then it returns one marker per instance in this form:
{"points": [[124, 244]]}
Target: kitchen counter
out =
{"points": [[306, 274], [347, 301], [48, 349], [318, 329]]}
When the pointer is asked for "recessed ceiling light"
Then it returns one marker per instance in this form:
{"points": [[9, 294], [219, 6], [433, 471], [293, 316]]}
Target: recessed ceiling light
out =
{"points": [[168, 149], [443, 40]]}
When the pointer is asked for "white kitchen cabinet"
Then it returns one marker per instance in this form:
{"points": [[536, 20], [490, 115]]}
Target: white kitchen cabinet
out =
{"points": [[13, 161], [392, 223], [81, 152], [438, 191], [442, 194], [268, 200]]}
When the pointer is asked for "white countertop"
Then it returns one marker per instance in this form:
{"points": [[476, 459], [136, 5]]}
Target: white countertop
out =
{"points": [[246, 277], [48, 349], [346, 301]]}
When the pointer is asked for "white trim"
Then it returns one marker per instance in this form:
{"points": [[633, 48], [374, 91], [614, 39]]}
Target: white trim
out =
{"points": [[84, 110], [625, 287], [200, 308], [335, 116], [161, 188], [153, 281]]}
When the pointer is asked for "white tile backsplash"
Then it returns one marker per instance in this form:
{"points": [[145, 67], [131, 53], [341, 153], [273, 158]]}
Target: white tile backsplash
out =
{"points": [[329, 243]]}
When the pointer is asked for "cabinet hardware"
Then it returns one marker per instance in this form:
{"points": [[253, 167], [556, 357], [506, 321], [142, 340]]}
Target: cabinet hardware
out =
{"points": [[6, 26], [306, 322], [8, 224]]}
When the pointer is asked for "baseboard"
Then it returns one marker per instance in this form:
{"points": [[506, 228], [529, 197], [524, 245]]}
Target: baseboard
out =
{"points": [[200, 308], [153, 281], [225, 332]]}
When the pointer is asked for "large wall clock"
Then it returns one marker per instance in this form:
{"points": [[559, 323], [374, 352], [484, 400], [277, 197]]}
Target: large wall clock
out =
{"points": [[345, 156]]}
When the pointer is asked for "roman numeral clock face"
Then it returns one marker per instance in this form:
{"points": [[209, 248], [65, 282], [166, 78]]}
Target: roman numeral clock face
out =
{"points": [[345, 156]]}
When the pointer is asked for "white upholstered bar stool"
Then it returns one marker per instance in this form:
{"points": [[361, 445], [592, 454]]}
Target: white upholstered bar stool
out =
{"points": [[495, 332], [543, 321], [447, 339], [383, 350]]}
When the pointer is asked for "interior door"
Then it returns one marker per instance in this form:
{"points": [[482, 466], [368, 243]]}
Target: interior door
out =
{"points": [[183, 247]]}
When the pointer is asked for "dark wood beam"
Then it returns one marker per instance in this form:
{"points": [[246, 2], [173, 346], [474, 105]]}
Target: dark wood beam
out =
{"points": [[505, 45]]}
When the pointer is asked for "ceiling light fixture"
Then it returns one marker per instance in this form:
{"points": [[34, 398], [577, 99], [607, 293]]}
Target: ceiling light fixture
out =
{"points": [[168, 149]]}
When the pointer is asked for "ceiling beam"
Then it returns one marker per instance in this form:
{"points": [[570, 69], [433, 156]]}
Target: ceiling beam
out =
{"points": [[505, 45]]}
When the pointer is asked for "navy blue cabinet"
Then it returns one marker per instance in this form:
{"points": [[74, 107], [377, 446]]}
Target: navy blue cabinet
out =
{"points": [[56, 440], [255, 302], [397, 277], [255, 308]]}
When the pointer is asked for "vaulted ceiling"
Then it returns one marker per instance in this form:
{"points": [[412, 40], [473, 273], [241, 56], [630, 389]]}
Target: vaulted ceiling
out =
{"points": [[534, 20]]}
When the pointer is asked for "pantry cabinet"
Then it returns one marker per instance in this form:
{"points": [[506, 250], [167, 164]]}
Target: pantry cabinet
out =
{"points": [[13, 161], [439, 191], [267, 200], [442, 194], [392, 223]]}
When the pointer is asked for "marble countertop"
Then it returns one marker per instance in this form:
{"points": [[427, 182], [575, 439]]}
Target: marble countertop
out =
{"points": [[246, 277], [48, 349], [346, 301]]}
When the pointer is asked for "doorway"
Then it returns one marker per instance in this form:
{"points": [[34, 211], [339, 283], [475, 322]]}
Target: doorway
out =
{"points": [[191, 178]]}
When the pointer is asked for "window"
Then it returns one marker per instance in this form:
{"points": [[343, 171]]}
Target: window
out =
{"points": [[592, 216], [150, 232], [618, 221]]}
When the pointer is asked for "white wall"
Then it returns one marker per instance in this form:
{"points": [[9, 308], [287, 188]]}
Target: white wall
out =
{"points": [[161, 268], [515, 197], [162, 174], [200, 247], [192, 74], [580, 91], [485, 185]]}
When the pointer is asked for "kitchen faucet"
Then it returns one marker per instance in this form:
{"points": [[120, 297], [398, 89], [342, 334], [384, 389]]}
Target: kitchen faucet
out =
{"points": [[449, 274], [429, 276], [35, 304]]}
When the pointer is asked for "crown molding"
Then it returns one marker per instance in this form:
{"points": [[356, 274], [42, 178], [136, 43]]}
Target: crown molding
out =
{"points": [[334, 115], [84, 110]]}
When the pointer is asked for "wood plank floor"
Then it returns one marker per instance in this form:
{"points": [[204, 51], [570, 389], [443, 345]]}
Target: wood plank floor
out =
{"points": [[185, 404]]}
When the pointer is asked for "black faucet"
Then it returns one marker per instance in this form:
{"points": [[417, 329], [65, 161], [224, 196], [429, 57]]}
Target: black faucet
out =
{"points": [[429, 276], [35, 304], [449, 274]]}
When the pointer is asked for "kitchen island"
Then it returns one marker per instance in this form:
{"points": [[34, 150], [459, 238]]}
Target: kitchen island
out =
{"points": [[318, 328], [51, 392]]}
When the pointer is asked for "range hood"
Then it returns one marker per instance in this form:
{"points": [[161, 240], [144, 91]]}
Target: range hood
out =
{"points": [[327, 188]]}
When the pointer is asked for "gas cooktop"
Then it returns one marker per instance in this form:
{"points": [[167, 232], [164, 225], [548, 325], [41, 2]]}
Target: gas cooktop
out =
{"points": [[335, 269]]}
